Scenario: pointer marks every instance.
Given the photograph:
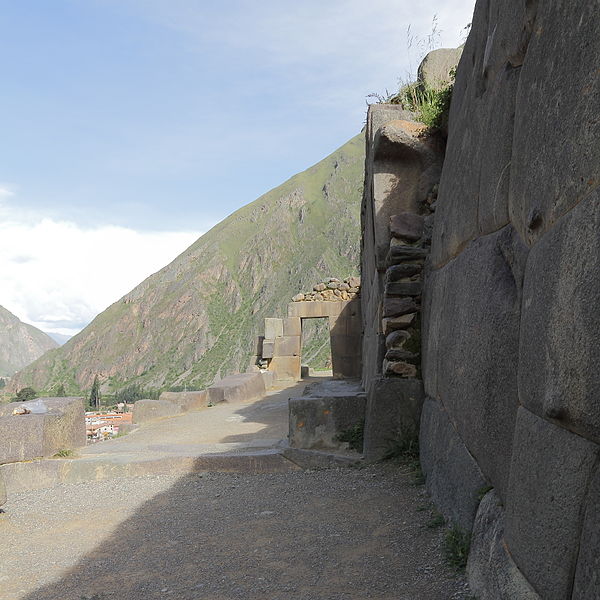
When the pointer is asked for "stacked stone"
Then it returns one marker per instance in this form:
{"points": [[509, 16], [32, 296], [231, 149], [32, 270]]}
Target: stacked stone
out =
{"points": [[402, 295], [332, 290]]}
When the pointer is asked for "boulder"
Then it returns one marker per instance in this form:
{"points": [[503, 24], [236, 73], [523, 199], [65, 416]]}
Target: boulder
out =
{"points": [[403, 288], [407, 226], [453, 478], [402, 369], [555, 160], [587, 575], [549, 476], [395, 323], [435, 69], [398, 272], [396, 339], [491, 571], [471, 347], [396, 307], [559, 366], [399, 254], [393, 411]]}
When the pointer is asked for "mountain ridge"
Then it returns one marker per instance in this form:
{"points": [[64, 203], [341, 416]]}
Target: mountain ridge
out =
{"points": [[197, 318], [20, 343]]}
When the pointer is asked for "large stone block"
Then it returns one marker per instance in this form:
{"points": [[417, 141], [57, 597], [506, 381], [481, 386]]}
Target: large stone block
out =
{"points": [[187, 400], [550, 472], [242, 387], [559, 367], [473, 195], [453, 478], [148, 410], [315, 422], [292, 326], [54, 424], [315, 310], [286, 368], [492, 573], [288, 345], [268, 348], [472, 328], [587, 576], [393, 411], [346, 355], [556, 155], [273, 328]]}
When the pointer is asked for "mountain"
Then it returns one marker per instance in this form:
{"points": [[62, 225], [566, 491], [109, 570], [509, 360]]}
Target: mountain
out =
{"points": [[197, 319], [20, 343], [59, 338]]}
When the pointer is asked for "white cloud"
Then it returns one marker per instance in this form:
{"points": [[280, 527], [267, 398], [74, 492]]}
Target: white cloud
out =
{"points": [[57, 275]]}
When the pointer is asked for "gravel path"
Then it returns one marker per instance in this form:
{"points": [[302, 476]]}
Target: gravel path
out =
{"points": [[339, 534]]}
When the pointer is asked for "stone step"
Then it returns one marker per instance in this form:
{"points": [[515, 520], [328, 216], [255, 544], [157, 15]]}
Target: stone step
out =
{"points": [[40, 474]]}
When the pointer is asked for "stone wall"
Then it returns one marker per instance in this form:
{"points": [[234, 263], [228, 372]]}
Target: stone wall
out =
{"points": [[402, 170], [511, 326]]}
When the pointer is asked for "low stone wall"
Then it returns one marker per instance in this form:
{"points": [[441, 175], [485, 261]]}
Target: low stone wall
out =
{"points": [[242, 387]]}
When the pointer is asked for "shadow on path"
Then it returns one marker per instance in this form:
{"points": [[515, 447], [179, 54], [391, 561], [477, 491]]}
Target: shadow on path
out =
{"points": [[336, 534]]}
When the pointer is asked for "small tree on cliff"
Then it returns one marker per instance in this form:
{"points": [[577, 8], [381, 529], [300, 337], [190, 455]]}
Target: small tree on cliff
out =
{"points": [[95, 393], [60, 391]]}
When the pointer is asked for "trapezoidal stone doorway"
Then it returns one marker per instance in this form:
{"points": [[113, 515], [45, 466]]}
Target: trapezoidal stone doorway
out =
{"points": [[282, 343]]}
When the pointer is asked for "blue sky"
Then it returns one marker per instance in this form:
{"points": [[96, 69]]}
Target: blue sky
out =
{"points": [[161, 117]]}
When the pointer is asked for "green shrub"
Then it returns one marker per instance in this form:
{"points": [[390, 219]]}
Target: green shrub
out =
{"points": [[25, 394], [457, 542], [354, 436]]}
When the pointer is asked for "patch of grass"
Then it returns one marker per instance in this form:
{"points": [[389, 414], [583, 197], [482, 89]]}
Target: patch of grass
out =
{"points": [[422, 508], [403, 445], [418, 475], [64, 454], [456, 546], [354, 436], [437, 520], [482, 491]]}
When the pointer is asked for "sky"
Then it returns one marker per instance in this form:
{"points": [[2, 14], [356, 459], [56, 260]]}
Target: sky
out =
{"points": [[130, 127]]}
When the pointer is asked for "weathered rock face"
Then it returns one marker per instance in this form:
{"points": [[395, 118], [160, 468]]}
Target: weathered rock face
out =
{"points": [[20, 343], [511, 330]]}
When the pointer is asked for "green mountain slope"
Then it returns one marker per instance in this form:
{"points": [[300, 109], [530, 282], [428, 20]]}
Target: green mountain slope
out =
{"points": [[20, 343], [198, 318]]}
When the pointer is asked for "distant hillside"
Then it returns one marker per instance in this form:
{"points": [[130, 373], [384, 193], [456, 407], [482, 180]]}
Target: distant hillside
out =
{"points": [[59, 338], [20, 343], [198, 317]]}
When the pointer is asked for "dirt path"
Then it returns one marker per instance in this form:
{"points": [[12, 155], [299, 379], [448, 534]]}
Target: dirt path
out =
{"points": [[334, 534]]}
